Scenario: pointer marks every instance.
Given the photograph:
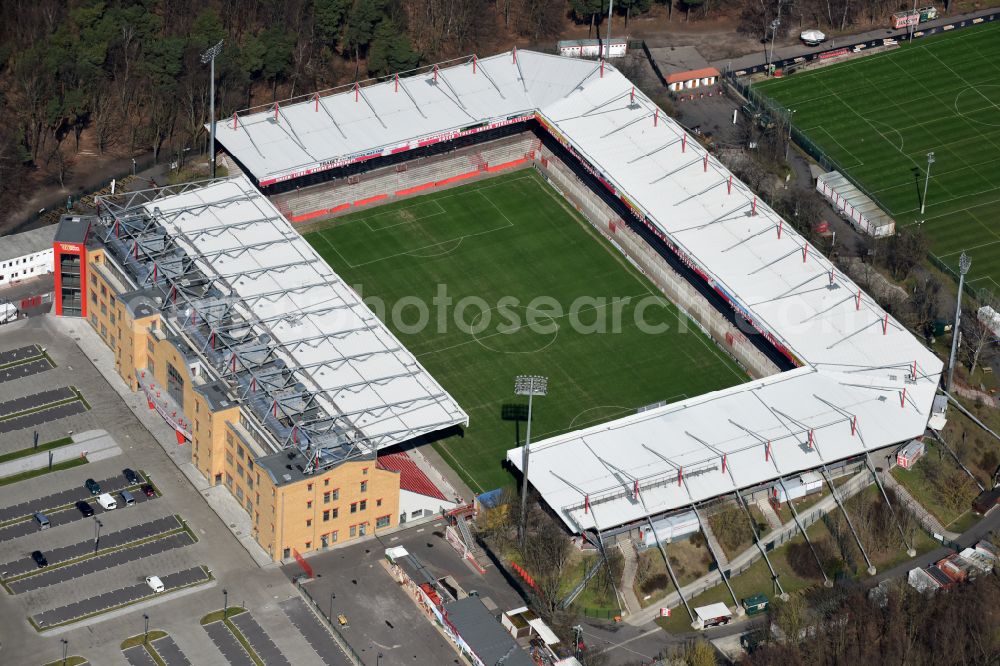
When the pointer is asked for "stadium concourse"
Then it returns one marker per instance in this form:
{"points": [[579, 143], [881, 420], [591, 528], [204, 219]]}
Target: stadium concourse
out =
{"points": [[861, 383]]}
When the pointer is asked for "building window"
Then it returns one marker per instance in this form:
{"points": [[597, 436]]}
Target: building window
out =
{"points": [[104, 330], [364, 471], [336, 512], [378, 502], [309, 522], [382, 521], [93, 278], [326, 516], [362, 529], [229, 437], [333, 536], [364, 486], [364, 504], [104, 290], [309, 488], [229, 458], [239, 470], [286, 553], [354, 530], [354, 507], [239, 493], [336, 493], [240, 452], [249, 506], [250, 483], [326, 482], [326, 497], [93, 296], [93, 320], [104, 309], [249, 464], [309, 545], [229, 480], [309, 504], [112, 317], [149, 345]]}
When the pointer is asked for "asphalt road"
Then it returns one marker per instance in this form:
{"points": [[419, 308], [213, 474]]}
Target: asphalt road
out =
{"points": [[169, 652], [111, 484], [99, 563], [36, 419], [227, 644], [137, 656], [35, 400], [65, 516], [25, 370], [317, 636], [82, 548], [108, 600], [259, 640]]}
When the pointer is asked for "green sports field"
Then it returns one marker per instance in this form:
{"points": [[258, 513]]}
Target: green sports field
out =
{"points": [[878, 117], [531, 285]]}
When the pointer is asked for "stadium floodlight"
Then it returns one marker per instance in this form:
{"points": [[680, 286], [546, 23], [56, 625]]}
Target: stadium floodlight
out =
{"points": [[927, 180], [964, 264], [209, 57], [529, 385]]}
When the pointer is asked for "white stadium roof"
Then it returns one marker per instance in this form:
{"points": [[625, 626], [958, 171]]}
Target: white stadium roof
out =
{"points": [[316, 322], [864, 383]]}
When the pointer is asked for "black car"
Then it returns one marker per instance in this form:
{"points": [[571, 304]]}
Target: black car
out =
{"points": [[85, 508], [93, 486], [130, 476], [39, 559]]}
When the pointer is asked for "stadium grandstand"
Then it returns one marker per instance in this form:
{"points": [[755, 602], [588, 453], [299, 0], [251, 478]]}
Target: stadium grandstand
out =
{"points": [[847, 380]]}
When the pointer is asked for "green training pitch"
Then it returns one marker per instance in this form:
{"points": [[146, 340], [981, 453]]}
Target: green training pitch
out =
{"points": [[879, 116], [531, 285]]}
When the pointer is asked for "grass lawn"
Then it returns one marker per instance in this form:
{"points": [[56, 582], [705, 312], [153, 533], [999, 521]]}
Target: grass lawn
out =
{"points": [[531, 286], [923, 490], [755, 580], [878, 117], [23, 453], [30, 474]]}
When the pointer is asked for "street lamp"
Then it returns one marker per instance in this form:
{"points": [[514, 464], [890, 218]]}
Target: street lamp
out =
{"points": [[225, 603], [145, 631], [209, 57], [65, 650], [964, 264], [927, 180], [529, 385], [333, 595], [97, 532]]}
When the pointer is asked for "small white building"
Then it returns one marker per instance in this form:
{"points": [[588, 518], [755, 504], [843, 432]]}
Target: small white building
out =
{"points": [[797, 487], [670, 528], [591, 48], [856, 206], [921, 581], [910, 454], [26, 255]]}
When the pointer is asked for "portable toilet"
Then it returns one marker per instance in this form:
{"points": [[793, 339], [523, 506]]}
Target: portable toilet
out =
{"points": [[758, 603]]}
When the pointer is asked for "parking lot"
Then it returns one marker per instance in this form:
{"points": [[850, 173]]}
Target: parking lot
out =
{"points": [[95, 600], [381, 617]]}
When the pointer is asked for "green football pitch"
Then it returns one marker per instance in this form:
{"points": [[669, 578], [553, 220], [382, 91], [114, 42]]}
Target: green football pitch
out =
{"points": [[879, 116], [531, 286]]}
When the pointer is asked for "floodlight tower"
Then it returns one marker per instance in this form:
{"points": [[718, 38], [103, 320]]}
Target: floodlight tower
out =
{"points": [[529, 385], [964, 264], [927, 180], [209, 57]]}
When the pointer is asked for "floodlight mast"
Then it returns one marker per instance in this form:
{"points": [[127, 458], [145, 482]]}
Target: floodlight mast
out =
{"points": [[927, 181], [209, 57], [529, 385], [964, 264]]}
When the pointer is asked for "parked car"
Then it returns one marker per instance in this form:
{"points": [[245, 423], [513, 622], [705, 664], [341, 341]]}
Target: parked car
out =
{"points": [[107, 502], [39, 559], [148, 490], [155, 583], [131, 476], [85, 508], [93, 486]]}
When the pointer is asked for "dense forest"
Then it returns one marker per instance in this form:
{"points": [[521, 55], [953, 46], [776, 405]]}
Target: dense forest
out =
{"points": [[125, 77]]}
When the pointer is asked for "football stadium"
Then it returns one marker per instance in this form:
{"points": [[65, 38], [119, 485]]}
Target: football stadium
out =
{"points": [[548, 180], [937, 96]]}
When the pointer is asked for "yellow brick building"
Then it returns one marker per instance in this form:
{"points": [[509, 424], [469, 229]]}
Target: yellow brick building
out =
{"points": [[306, 480]]}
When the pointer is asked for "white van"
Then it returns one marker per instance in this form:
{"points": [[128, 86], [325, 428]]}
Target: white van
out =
{"points": [[107, 502], [154, 583]]}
